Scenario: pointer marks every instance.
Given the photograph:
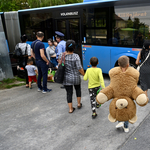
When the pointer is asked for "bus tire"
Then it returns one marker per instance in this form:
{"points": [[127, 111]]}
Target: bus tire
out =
{"points": [[131, 63]]}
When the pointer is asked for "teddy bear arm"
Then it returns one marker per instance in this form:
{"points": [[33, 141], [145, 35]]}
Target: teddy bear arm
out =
{"points": [[108, 91], [136, 92], [105, 95], [139, 96]]}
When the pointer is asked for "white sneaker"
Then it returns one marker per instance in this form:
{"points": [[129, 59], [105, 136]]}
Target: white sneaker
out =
{"points": [[120, 124], [126, 129], [39, 90]]}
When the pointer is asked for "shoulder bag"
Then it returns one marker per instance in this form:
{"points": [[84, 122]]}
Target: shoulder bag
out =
{"points": [[138, 68], [59, 75]]}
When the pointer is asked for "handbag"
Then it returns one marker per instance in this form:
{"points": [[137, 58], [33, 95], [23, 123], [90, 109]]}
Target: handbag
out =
{"points": [[138, 68], [59, 75]]}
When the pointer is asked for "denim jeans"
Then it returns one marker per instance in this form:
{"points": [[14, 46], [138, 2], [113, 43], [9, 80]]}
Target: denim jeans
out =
{"points": [[126, 124], [54, 61], [42, 72]]}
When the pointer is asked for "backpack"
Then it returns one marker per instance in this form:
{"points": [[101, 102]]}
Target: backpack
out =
{"points": [[17, 53]]}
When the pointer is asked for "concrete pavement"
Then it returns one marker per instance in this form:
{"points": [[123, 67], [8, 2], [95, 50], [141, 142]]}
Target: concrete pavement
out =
{"points": [[31, 120], [140, 138]]}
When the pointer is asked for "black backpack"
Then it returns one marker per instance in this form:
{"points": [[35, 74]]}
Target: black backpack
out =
{"points": [[17, 53]]}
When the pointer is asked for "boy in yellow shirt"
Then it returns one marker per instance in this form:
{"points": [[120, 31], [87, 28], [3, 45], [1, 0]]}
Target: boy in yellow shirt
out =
{"points": [[95, 77]]}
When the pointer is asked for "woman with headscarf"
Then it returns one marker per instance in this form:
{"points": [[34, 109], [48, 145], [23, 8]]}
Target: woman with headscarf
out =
{"points": [[73, 69], [144, 56]]}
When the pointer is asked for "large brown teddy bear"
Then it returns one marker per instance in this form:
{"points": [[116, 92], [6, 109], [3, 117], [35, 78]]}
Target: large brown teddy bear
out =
{"points": [[123, 89]]}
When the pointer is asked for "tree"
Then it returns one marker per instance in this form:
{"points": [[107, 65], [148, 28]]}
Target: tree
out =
{"points": [[14, 5], [44, 3]]}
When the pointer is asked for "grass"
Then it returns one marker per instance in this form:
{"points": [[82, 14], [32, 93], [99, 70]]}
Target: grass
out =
{"points": [[9, 83]]}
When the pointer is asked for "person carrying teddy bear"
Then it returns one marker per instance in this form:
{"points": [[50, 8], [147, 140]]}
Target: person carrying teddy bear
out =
{"points": [[123, 62], [122, 91]]}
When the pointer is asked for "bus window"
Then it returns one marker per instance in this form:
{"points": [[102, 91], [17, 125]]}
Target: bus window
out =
{"points": [[61, 26], [95, 25], [96, 36], [34, 22], [131, 25]]}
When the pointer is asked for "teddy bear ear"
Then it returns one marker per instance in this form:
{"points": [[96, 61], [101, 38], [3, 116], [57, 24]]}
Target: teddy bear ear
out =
{"points": [[111, 119], [133, 120]]}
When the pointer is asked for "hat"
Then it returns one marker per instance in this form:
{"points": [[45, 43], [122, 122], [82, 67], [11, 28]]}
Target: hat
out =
{"points": [[59, 34]]}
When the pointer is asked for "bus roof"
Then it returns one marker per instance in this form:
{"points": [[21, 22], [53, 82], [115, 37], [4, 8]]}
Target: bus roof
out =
{"points": [[68, 5]]}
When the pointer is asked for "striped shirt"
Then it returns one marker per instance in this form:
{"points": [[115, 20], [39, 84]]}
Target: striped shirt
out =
{"points": [[72, 67]]}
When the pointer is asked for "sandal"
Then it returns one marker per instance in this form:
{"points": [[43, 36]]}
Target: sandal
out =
{"points": [[72, 110], [80, 106]]}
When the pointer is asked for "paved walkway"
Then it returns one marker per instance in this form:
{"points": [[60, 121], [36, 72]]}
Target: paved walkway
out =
{"points": [[31, 120]]}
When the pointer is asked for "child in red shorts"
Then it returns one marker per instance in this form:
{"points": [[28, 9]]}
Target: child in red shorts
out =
{"points": [[32, 71]]}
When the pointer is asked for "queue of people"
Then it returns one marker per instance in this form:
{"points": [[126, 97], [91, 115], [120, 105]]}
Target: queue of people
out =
{"points": [[73, 69]]}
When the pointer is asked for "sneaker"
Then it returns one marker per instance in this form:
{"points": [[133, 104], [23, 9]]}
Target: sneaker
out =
{"points": [[94, 115], [30, 87], [98, 105], [39, 90], [120, 124], [126, 129], [62, 87], [48, 90]]}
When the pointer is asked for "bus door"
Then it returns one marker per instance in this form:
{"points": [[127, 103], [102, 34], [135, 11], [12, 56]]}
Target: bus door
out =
{"points": [[71, 29], [96, 22]]}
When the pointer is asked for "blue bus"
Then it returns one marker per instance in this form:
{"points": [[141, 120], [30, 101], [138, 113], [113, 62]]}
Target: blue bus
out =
{"points": [[106, 29]]}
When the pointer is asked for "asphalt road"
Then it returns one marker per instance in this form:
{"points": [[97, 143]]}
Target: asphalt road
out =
{"points": [[30, 120]]}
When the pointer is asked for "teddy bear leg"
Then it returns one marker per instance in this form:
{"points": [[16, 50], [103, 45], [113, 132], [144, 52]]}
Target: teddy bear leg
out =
{"points": [[111, 119], [133, 120]]}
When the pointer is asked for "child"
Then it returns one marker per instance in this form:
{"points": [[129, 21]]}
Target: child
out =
{"points": [[32, 71], [123, 62], [95, 77], [50, 51], [55, 44]]}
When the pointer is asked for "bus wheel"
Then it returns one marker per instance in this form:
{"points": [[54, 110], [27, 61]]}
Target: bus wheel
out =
{"points": [[132, 63]]}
